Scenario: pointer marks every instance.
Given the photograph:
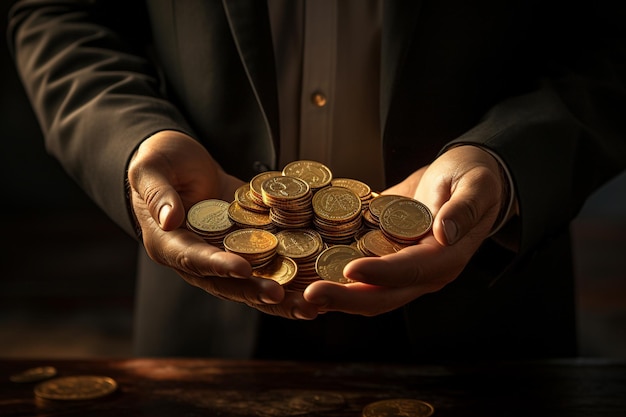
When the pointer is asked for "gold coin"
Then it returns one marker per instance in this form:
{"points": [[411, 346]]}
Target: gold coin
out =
{"points": [[331, 261], [281, 269], [209, 216], [399, 407], [316, 174], [406, 219], [360, 188], [336, 204], [245, 218], [379, 202], [299, 243], [243, 197], [283, 189], [250, 241], [37, 374], [255, 185], [375, 243], [83, 387]]}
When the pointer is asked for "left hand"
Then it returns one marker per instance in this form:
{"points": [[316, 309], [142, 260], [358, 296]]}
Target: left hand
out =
{"points": [[463, 189]]}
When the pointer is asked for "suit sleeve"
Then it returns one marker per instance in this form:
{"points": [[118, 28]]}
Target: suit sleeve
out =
{"points": [[567, 137], [94, 91]]}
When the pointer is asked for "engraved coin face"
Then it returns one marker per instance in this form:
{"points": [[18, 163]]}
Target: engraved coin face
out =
{"points": [[331, 261], [209, 215], [336, 204], [298, 243], [283, 188], [255, 185], [250, 241], [360, 188], [83, 387], [401, 407], [39, 373], [246, 217], [406, 219], [316, 174], [281, 269], [379, 202]]}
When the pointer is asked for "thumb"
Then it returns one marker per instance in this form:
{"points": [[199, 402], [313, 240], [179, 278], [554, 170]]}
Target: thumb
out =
{"points": [[153, 191], [472, 208]]}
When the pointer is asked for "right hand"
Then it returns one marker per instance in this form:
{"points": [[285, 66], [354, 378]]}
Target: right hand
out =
{"points": [[168, 174]]}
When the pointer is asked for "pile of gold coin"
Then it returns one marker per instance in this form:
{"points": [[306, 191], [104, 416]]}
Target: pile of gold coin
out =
{"points": [[300, 224]]}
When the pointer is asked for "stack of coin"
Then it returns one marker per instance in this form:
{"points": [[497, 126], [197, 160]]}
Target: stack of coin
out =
{"points": [[281, 269], [303, 246], [289, 199], [255, 245], [209, 219], [371, 215], [294, 216], [360, 188], [244, 218], [316, 174], [244, 198], [375, 243], [405, 220], [337, 214], [256, 194]]}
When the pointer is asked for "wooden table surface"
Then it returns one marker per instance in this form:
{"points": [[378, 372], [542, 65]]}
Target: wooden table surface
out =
{"points": [[205, 387]]}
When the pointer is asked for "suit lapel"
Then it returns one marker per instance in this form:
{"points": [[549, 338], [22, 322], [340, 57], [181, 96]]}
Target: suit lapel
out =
{"points": [[399, 21], [249, 22]]}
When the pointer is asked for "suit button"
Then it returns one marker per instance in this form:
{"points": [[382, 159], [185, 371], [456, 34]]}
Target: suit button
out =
{"points": [[259, 167], [318, 99]]}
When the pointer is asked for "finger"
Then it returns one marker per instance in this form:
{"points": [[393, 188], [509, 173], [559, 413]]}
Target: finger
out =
{"points": [[293, 306], [423, 265], [356, 298], [473, 206], [255, 292], [154, 189]]}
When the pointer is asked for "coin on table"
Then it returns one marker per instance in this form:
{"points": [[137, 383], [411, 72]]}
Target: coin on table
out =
{"points": [[331, 261], [398, 407], [37, 374], [72, 388]]}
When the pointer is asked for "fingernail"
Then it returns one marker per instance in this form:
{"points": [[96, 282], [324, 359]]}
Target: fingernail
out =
{"points": [[450, 230], [266, 299], [163, 213], [299, 315]]}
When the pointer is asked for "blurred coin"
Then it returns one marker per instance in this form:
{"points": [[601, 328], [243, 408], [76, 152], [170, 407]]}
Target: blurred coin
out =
{"points": [[73, 388], [37, 374], [399, 407]]}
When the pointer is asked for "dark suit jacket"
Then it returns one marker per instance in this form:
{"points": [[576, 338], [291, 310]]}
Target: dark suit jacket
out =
{"points": [[541, 83]]}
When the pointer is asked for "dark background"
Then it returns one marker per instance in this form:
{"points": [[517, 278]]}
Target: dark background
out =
{"points": [[67, 272]]}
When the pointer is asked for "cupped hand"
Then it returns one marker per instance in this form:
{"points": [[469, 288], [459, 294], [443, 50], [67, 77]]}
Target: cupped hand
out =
{"points": [[464, 190], [168, 174]]}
